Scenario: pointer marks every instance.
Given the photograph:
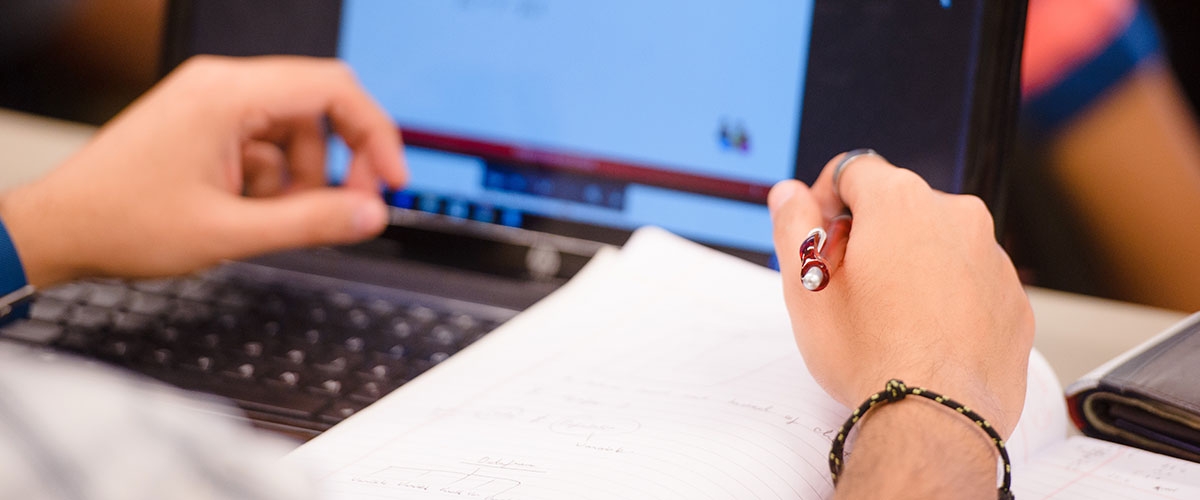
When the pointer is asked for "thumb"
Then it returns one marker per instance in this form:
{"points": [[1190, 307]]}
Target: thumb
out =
{"points": [[325, 216]]}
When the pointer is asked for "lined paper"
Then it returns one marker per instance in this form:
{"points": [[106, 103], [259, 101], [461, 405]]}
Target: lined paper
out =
{"points": [[1085, 469], [664, 371]]}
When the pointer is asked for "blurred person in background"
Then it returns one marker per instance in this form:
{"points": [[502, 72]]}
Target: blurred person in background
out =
{"points": [[82, 60], [1108, 203]]}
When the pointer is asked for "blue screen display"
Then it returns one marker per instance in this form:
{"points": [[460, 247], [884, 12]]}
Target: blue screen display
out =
{"points": [[622, 113]]}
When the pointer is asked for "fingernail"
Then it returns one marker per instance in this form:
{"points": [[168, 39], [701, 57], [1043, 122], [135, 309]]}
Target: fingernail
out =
{"points": [[370, 217], [781, 193]]}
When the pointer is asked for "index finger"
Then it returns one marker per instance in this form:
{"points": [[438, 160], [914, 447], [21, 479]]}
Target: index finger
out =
{"points": [[286, 87]]}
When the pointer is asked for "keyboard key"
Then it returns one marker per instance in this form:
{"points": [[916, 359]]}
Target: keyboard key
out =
{"points": [[228, 322], [243, 371], [49, 309], [89, 317], [157, 287], [340, 411], [166, 335], [381, 308], [308, 343], [207, 342], [145, 303], [33, 331], [107, 295], [132, 322], [400, 328], [202, 364], [369, 392], [377, 372], [119, 350], [358, 319], [444, 335], [197, 289], [422, 315], [464, 322], [234, 298], [340, 300], [318, 315], [253, 349], [327, 388], [187, 311], [397, 351], [288, 378], [295, 356], [159, 357], [263, 329], [383, 369], [355, 344], [77, 341], [71, 292], [312, 336], [335, 367], [424, 347]]}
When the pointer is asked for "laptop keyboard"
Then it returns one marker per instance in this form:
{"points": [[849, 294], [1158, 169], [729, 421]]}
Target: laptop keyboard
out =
{"points": [[295, 355]]}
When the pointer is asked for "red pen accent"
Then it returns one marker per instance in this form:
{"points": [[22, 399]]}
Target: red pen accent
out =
{"points": [[815, 273], [814, 269]]}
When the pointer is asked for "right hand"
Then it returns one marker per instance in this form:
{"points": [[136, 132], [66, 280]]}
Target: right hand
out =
{"points": [[920, 291]]}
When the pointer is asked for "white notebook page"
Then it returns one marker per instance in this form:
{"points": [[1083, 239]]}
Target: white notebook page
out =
{"points": [[1085, 469], [665, 371]]}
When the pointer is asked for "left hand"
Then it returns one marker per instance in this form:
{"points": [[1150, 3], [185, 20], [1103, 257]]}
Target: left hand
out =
{"points": [[159, 190]]}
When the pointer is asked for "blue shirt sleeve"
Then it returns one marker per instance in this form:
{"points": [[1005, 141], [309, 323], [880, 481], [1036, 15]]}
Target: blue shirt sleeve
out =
{"points": [[1137, 44], [12, 275]]}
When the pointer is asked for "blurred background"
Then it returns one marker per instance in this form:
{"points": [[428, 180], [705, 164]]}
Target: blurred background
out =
{"points": [[1105, 199]]}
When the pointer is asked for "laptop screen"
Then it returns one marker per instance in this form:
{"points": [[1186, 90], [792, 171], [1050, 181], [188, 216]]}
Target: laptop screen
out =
{"points": [[620, 113], [590, 119]]}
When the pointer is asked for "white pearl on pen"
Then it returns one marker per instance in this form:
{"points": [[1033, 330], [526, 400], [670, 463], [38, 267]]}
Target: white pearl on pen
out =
{"points": [[813, 278]]}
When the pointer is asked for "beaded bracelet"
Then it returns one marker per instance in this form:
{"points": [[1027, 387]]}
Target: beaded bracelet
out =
{"points": [[895, 390]]}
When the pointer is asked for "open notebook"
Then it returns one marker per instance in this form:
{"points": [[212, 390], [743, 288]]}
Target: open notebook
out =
{"points": [[664, 370]]}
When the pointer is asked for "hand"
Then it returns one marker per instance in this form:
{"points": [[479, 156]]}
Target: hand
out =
{"points": [[159, 190], [920, 291]]}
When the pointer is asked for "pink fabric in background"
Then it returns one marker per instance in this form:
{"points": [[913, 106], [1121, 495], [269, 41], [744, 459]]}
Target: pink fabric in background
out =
{"points": [[1061, 35]]}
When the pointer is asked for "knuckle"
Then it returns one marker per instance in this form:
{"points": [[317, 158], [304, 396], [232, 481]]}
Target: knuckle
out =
{"points": [[200, 74], [203, 64], [341, 70], [974, 206], [906, 180], [903, 188], [977, 214]]}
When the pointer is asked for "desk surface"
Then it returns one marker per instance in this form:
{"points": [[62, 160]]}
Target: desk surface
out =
{"points": [[1076, 333]]}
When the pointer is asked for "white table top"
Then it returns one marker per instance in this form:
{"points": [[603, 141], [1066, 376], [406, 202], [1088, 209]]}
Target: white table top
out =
{"points": [[31, 146], [1076, 333]]}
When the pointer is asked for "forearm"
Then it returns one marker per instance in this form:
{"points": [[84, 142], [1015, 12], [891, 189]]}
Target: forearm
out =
{"points": [[1131, 167], [917, 449]]}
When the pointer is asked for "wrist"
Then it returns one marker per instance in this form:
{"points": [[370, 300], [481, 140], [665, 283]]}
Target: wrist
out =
{"points": [[37, 239], [916, 448], [962, 384]]}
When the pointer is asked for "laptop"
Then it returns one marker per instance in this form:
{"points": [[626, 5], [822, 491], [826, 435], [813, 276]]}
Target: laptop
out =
{"points": [[537, 132]]}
